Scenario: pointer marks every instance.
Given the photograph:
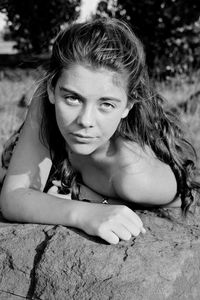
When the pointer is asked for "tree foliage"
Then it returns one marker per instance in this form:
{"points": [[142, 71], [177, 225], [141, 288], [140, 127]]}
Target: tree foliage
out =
{"points": [[33, 23], [169, 29]]}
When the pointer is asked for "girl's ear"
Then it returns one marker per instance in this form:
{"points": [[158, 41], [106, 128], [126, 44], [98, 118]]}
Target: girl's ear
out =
{"points": [[50, 93], [127, 109]]}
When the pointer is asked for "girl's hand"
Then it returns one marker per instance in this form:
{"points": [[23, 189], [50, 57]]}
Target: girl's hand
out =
{"points": [[110, 222]]}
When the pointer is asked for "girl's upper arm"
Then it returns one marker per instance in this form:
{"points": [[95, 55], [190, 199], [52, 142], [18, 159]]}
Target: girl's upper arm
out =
{"points": [[30, 163], [146, 181]]}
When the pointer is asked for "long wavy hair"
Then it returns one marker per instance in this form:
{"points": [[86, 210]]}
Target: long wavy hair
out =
{"points": [[111, 44]]}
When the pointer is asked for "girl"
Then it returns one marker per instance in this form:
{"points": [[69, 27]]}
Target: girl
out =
{"points": [[95, 126]]}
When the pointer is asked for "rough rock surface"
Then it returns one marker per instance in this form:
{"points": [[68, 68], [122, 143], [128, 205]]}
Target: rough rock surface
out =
{"points": [[55, 262]]}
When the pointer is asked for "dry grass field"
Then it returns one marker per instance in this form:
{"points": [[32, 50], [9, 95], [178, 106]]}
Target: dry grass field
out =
{"points": [[183, 94], [17, 86], [16, 89]]}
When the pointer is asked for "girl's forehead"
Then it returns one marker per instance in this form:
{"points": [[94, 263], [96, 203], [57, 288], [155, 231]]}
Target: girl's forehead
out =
{"points": [[120, 79], [88, 72]]}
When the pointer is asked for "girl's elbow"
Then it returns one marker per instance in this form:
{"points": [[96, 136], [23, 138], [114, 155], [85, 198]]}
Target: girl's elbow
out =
{"points": [[4, 207], [7, 207]]}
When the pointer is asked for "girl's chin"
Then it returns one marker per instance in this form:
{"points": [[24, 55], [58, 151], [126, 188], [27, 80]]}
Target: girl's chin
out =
{"points": [[83, 149], [88, 148]]}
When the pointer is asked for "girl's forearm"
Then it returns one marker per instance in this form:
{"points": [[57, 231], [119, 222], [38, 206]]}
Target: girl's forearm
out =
{"points": [[110, 222], [31, 206]]}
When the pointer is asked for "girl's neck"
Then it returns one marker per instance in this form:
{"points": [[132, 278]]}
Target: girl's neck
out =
{"points": [[99, 156]]}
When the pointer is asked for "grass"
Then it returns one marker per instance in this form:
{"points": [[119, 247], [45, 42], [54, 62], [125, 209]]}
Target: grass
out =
{"points": [[18, 83], [180, 90], [14, 85]]}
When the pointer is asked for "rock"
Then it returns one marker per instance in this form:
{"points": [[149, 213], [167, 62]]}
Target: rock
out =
{"points": [[56, 262]]}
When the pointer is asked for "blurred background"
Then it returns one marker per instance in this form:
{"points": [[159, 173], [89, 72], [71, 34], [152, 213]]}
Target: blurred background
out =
{"points": [[169, 30]]}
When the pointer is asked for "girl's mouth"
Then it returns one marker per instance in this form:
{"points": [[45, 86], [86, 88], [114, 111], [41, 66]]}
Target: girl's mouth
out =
{"points": [[82, 138]]}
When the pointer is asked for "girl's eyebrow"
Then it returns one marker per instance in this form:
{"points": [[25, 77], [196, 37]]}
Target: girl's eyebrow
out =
{"points": [[64, 89], [110, 98]]}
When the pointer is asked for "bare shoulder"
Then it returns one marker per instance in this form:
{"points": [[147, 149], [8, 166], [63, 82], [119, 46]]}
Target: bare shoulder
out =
{"points": [[142, 177], [132, 154]]}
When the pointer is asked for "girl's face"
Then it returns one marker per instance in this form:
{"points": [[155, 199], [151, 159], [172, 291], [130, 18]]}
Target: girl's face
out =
{"points": [[89, 104]]}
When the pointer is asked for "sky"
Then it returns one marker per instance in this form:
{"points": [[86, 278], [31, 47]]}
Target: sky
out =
{"points": [[88, 6]]}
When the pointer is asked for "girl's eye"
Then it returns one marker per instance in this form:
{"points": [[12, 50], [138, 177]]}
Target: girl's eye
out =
{"points": [[72, 100], [107, 106]]}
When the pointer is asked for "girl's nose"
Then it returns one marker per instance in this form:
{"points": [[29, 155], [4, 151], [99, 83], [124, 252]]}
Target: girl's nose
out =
{"points": [[86, 117]]}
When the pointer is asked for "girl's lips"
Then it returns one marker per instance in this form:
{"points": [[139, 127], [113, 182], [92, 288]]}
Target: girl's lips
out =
{"points": [[82, 138]]}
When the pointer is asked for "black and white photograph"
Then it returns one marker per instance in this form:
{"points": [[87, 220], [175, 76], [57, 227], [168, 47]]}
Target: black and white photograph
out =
{"points": [[99, 150]]}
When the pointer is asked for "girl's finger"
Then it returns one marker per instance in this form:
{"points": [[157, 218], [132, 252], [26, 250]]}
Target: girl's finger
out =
{"points": [[134, 219], [109, 237], [122, 232], [131, 227]]}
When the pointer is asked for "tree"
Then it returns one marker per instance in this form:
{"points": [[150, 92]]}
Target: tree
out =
{"points": [[169, 29], [33, 23]]}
